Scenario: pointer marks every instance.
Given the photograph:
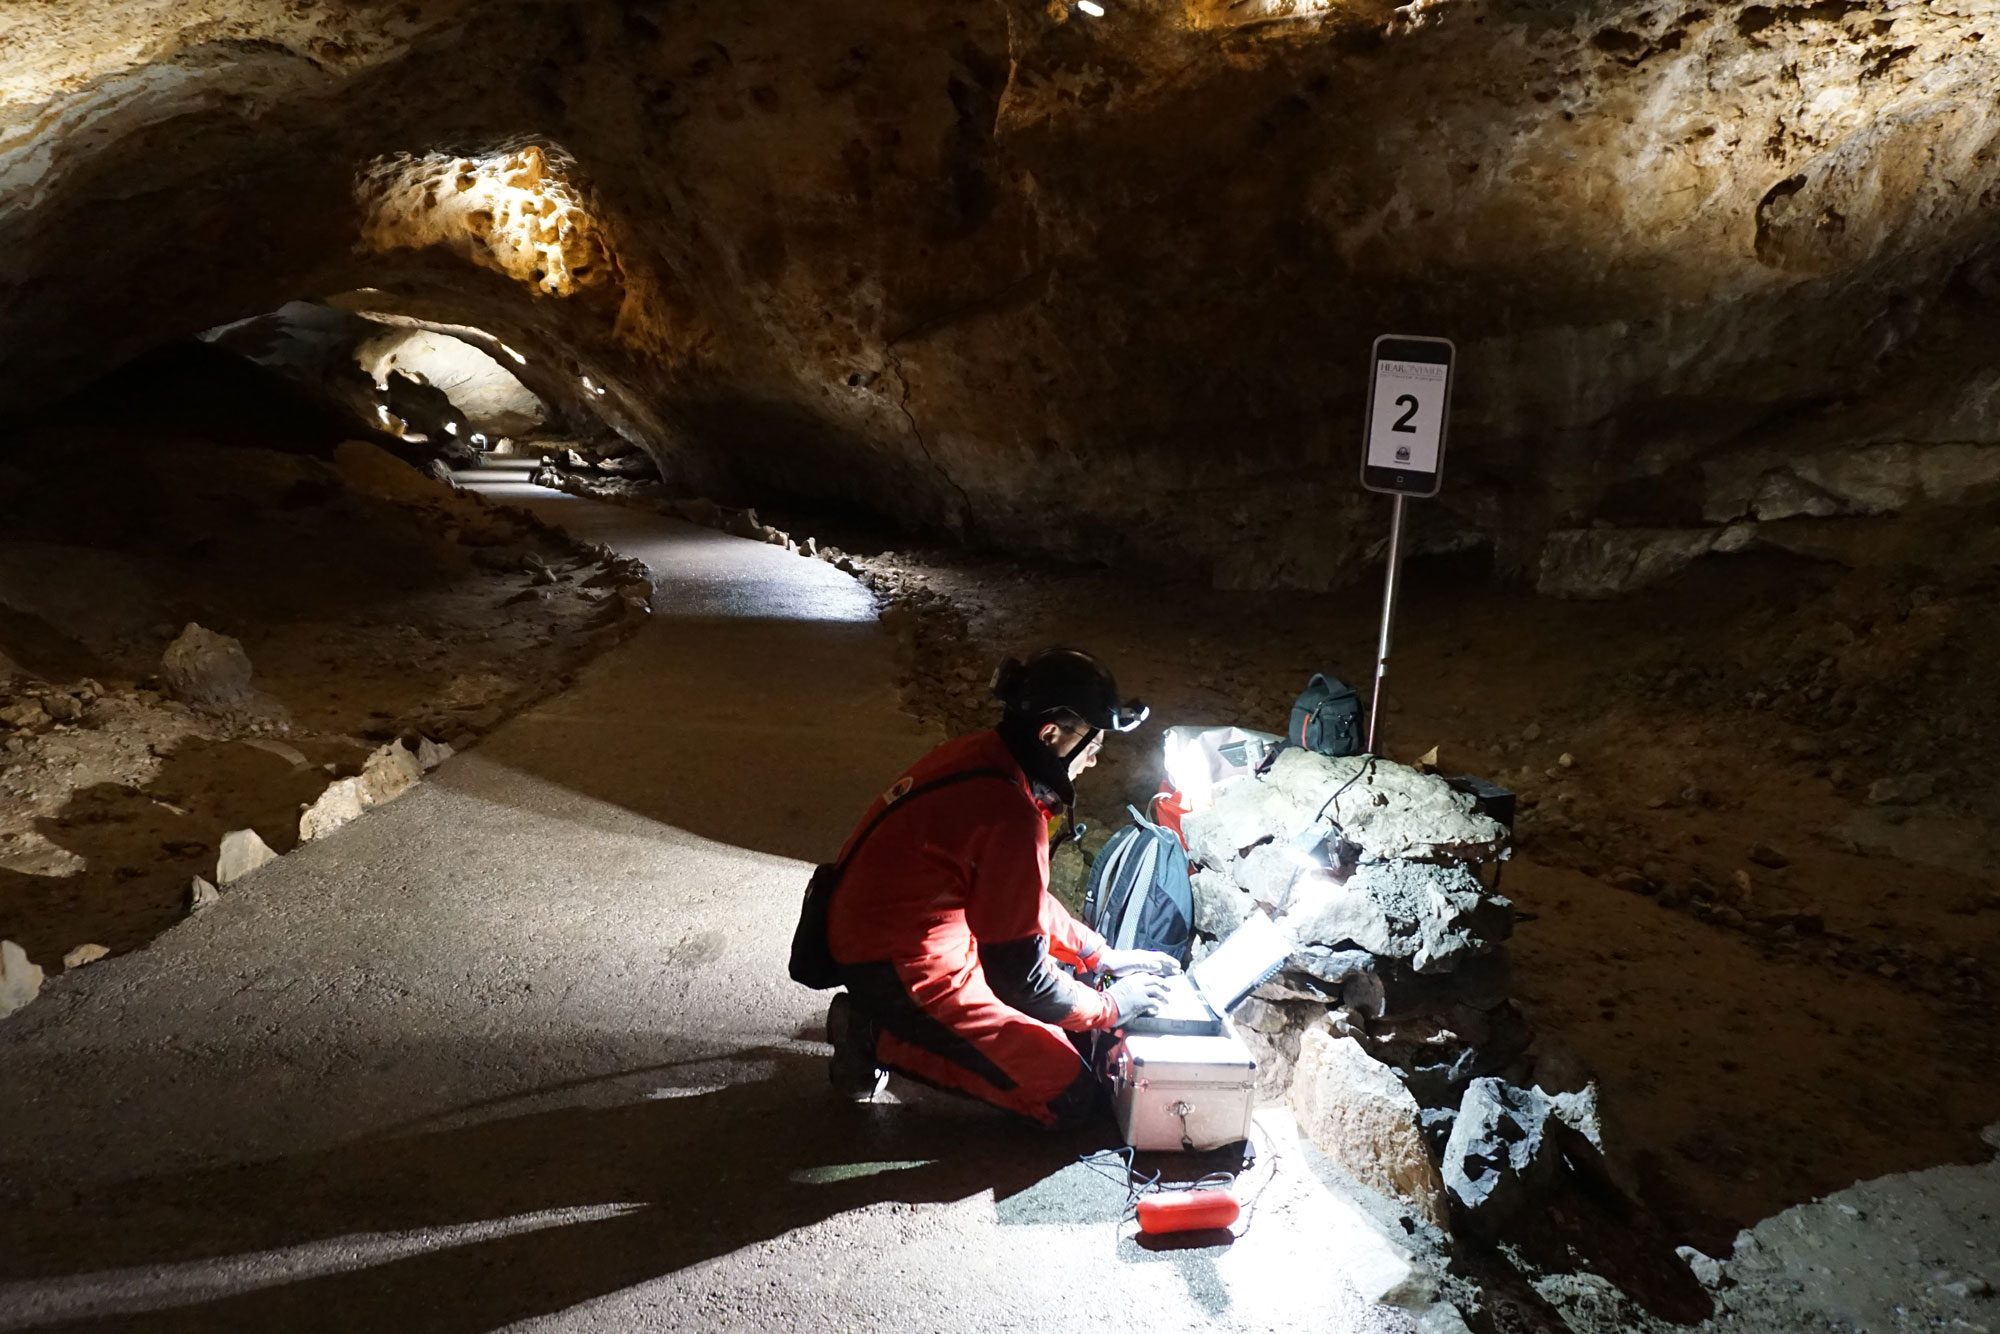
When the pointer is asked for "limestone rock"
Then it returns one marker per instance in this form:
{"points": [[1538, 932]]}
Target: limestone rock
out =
{"points": [[1501, 1152], [388, 773], [201, 894], [1383, 810], [84, 954], [430, 754], [20, 981], [1649, 338], [1431, 914], [242, 852], [342, 801], [1219, 906], [1604, 562], [28, 713], [1360, 1115], [207, 669]]}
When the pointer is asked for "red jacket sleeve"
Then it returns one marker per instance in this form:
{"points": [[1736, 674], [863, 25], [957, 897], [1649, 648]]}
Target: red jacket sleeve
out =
{"points": [[1018, 926], [1069, 940]]}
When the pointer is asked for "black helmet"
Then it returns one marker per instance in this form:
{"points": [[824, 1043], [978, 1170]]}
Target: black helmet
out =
{"points": [[1062, 680]]}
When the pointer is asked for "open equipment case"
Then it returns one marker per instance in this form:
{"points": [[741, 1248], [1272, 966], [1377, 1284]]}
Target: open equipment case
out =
{"points": [[1181, 1079]]}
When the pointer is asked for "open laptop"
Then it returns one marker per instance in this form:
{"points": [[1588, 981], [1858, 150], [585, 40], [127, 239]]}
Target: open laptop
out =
{"points": [[1198, 999]]}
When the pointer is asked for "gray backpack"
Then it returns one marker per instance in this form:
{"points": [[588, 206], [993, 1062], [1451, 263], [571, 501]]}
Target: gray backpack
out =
{"points": [[1140, 896]]}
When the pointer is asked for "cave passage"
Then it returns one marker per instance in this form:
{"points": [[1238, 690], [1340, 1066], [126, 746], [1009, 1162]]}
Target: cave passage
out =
{"points": [[491, 491]]}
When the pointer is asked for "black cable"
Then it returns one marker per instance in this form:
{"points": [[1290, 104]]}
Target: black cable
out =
{"points": [[1366, 768], [1138, 1184]]}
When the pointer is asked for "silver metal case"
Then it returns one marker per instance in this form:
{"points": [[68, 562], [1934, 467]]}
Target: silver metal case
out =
{"points": [[1176, 1091]]}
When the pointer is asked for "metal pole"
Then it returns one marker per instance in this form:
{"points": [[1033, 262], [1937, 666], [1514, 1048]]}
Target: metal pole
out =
{"points": [[1388, 617]]}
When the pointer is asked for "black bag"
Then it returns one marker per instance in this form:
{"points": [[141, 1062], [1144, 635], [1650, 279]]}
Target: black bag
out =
{"points": [[1327, 717], [812, 963], [1140, 896]]}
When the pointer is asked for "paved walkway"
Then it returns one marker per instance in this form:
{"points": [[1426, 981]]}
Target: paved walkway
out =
{"points": [[518, 1049]]}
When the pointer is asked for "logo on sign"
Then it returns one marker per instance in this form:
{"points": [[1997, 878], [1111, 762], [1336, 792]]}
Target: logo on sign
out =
{"points": [[1402, 453]]}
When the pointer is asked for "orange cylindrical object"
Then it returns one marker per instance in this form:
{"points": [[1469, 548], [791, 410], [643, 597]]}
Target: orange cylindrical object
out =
{"points": [[1187, 1210]]}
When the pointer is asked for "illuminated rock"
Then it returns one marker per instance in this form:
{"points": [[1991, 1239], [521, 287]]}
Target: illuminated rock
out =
{"points": [[20, 981], [1359, 1114], [242, 852]]}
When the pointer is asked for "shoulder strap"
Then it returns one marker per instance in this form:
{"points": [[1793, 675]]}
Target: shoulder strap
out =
{"points": [[919, 790]]}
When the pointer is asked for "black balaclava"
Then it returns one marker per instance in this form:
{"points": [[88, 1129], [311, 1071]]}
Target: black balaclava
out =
{"points": [[1047, 772]]}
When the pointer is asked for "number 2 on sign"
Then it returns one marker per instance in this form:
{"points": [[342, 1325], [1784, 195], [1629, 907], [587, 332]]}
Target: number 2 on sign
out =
{"points": [[1407, 402]]}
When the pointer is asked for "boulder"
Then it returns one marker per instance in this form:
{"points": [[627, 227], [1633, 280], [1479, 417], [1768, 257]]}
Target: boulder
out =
{"points": [[341, 802], [1219, 906], [1383, 809], [388, 773], [207, 670], [201, 894], [20, 981], [242, 852], [1501, 1153], [430, 754], [1431, 914], [1360, 1115], [29, 713]]}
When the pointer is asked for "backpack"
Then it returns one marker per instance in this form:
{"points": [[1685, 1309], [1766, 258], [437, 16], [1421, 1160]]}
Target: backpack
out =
{"points": [[1327, 717], [1140, 897]]}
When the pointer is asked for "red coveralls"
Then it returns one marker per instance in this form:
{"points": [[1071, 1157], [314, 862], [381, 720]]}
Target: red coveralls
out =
{"points": [[945, 929]]}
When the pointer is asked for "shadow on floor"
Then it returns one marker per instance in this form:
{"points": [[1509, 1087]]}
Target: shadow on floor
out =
{"points": [[577, 1203], [764, 734]]}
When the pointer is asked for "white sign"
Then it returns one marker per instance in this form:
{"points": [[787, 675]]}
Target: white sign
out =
{"points": [[1408, 422]]}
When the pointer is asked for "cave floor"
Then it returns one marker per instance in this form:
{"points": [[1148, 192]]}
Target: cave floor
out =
{"points": [[367, 616], [1783, 986], [519, 1050]]}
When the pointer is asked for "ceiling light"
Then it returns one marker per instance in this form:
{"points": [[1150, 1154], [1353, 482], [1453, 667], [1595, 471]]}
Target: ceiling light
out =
{"points": [[1091, 7]]}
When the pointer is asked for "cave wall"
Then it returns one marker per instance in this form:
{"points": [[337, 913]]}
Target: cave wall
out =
{"points": [[1102, 288]]}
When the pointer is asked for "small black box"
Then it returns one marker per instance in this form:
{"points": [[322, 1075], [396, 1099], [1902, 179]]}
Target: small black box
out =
{"points": [[1488, 797]]}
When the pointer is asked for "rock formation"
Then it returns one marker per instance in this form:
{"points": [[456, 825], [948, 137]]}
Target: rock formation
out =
{"points": [[1096, 286]]}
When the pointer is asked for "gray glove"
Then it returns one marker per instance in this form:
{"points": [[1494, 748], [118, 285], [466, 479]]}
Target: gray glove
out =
{"points": [[1120, 962], [1139, 994]]}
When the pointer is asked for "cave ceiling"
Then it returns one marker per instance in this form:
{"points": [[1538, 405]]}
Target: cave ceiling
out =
{"points": [[1101, 288]]}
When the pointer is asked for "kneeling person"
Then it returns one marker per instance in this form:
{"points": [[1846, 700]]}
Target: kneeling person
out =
{"points": [[943, 926]]}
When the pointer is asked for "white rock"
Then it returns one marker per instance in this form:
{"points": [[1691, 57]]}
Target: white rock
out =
{"points": [[201, 894], [20, 981], [1219, 906], [207, 669], [341, 802], [242, 853], [389, 773], [292, 755], [84, 954], [1386, 810], [430, 754], [1360, 1115]]}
